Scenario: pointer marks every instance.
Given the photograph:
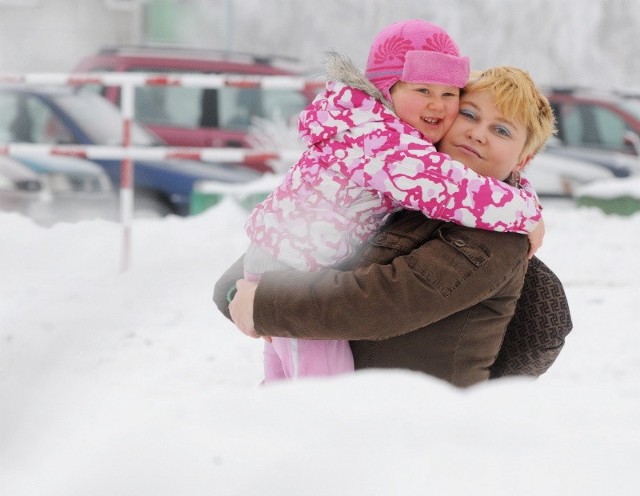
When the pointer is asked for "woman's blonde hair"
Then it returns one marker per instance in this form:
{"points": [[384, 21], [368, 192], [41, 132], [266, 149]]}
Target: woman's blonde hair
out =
{"points": [[518, 98]]}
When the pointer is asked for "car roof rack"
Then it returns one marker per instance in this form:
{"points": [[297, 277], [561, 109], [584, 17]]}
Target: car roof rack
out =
{"points": [[189, 51], [567, 90], [583, 90], [627, 92]]}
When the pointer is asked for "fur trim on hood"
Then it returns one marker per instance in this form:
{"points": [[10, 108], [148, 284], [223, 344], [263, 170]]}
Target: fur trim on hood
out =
{"points": [[340, 68]]}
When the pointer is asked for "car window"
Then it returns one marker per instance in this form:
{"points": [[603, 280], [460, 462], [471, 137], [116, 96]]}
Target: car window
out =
{"points": [[569, 123], [8, 114], [192, 108], [590, 126], [611, 128], [47, 127], [238, 106], [25, 118], [187, 108], [95, 88], [169, 106], [283, 105], [632, 105], [100, 120], [228, 108]]}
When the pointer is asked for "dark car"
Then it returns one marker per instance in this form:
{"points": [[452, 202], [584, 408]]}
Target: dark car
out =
{"points": [[601, 126], [61, 115], [201, 117]]}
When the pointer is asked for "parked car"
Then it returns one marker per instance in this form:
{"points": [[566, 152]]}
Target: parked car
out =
{"points": [[73, 189], [49, 189], [601, 126], [60, 115], [560, 177], [201, 117], [21, 189], [618, 164]]}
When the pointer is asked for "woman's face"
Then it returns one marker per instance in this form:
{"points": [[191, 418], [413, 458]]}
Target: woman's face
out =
{"points": [[430, 108], [483, 139]]}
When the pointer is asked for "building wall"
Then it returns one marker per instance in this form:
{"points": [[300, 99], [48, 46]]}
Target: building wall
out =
{"points": [[50, 35], [558, 42]]}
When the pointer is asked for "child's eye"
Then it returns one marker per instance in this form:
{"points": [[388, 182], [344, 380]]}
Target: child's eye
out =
{"points": [[424, 91]]}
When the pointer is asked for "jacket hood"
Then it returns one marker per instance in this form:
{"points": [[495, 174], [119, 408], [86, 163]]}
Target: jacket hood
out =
{"points": [[349, 100], [340, 68]]}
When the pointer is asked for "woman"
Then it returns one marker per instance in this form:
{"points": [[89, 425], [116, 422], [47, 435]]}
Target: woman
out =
{"points": [[424, 295]]}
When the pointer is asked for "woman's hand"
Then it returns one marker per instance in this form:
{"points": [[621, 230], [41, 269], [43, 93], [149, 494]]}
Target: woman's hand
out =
{"points": [[241, 307], [535, 238]]}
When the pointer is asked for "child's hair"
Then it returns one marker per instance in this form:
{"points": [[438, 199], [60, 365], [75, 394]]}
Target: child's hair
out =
{"points": [[517, 97], [415, 51]]}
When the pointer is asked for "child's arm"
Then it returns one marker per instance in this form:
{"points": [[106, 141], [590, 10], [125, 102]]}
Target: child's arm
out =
{"points": [[417, 177], [537, 234], [535, 238]]}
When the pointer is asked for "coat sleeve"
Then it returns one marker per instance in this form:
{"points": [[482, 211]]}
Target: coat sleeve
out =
{"points": [[536, 333], [412, 173], [225, 285], [379, 301]]}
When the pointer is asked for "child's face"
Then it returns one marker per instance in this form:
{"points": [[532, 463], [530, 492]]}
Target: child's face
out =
{"points": [[430, 108], [483, 139]]}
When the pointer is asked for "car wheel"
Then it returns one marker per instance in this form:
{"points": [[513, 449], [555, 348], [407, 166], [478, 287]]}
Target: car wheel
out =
{"points": [[150, 205]]}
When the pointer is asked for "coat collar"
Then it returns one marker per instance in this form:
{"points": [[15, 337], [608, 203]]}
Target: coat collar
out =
{"points": [[340, 68]]}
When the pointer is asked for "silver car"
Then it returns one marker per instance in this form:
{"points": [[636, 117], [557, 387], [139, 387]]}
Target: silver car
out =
{"points": [[51, 188], [21, 189]]}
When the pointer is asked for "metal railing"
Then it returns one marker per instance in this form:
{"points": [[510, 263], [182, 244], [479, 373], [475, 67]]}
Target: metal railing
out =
{"points": [[127, 153]]}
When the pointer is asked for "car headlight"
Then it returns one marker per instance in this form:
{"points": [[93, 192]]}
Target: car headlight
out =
{"points": [[28, 185]]}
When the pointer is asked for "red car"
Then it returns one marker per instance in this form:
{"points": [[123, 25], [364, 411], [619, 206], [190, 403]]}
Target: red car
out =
{"points": [[600, 119], [200, 117], [600, 126]]}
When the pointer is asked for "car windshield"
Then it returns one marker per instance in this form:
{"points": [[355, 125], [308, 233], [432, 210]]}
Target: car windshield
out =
{"points": [[101, 121], [632, 105], [229, 107]]}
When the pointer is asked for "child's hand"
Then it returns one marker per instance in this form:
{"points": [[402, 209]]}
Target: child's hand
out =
{"points": [[535, 238], [241, 307]]}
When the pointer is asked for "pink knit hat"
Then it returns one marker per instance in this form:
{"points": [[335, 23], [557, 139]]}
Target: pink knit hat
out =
{"points": [[415, 51]]}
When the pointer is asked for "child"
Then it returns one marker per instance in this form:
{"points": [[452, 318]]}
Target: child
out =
{"points": [[370, 151]]}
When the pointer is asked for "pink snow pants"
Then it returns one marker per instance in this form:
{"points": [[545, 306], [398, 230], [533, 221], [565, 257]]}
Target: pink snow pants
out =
{"points": [[287, 358]]}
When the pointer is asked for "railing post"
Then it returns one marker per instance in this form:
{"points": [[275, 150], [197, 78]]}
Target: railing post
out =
{"points": [[127, 97], [127, 153]]}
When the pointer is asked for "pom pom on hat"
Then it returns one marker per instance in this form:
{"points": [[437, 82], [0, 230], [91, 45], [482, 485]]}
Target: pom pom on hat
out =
{"points": [[415, 51]]}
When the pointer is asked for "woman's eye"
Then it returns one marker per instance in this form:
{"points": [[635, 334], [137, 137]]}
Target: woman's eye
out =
{"points": [[467, 113], [503, 131]]}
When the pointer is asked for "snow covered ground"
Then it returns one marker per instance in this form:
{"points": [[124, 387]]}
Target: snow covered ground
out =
{"points": [[130, 384]]}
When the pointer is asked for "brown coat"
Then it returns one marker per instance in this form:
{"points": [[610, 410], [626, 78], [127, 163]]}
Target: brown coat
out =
{"points": [[423, 295]]}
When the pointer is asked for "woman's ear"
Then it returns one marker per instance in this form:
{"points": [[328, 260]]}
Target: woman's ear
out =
{"points": [[523, 163]]}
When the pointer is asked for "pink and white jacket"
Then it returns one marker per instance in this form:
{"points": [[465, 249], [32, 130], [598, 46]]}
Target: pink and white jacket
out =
{"points": [[363, 163]]}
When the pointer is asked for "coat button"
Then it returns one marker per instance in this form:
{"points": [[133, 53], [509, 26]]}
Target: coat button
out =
{"points": [[459, 242]]}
